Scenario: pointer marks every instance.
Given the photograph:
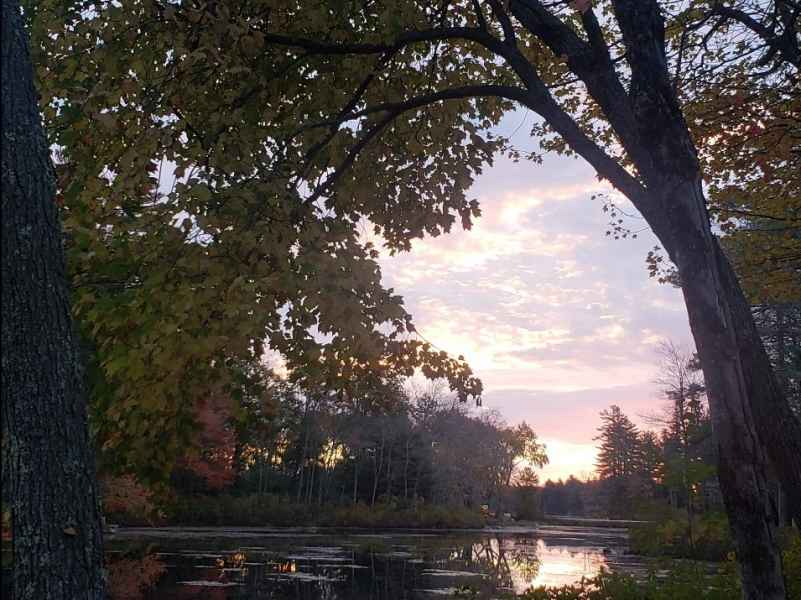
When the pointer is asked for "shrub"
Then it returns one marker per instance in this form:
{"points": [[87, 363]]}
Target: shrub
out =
{"points": [[670, 537], [391, 516], [684, 582], [792, 563], [127, 502], [224, 509], [263, 510]]}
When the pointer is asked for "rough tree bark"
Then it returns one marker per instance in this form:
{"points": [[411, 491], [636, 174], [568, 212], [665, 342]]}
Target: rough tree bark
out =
{"points": [[751, 418], [733, 371], [48, 462]]}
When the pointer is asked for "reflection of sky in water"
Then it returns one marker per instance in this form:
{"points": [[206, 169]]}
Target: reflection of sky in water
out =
{"points": [[386, 567], [561, 565]]}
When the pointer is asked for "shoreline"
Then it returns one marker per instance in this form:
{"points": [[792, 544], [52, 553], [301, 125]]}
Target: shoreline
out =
{"points": [[235, 531]]}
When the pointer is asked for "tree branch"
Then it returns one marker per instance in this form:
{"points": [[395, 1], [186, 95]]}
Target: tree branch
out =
{"points": [[606, 88], [593, 67], [506, 24], [405, 39], [468, 91], [784, 44]]}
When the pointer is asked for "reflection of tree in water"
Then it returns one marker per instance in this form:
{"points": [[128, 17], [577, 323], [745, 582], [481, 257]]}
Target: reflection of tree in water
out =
{"points": [[130, 578], [379, 576], [524, 559], [385, 571], [501, 561], [505, 560]]}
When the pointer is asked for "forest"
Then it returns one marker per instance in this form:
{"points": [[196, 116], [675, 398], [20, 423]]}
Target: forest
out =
{"points": [[190, 187], [389, 458]]}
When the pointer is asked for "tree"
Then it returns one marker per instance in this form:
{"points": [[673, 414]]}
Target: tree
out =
{"points": [[619, 449], [528, 500], [48, 464], [620, 459], [651, 459], [687, 429], [212, 455], [744, 109], [522, 448], [177, 287], [284, 113], [746, 121], [779, 325]]}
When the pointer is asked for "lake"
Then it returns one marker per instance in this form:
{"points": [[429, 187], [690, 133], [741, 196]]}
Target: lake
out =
{"points": [[308, 564]]}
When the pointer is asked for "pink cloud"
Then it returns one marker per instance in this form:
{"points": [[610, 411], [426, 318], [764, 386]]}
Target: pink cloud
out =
{"points": [[557, 319]]}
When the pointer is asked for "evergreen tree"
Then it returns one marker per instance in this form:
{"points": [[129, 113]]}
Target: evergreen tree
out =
{"points": [[620, 452], [651, 460]]}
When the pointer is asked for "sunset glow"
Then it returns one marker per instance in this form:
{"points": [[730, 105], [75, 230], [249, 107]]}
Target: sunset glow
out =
{"points": [[559, 320]]}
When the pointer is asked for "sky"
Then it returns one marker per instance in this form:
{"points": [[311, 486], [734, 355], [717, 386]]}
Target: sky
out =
{"points": [[557, 319]]}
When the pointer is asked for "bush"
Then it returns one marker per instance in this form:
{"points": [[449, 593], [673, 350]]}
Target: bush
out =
{"points": [[392, 516], [791, 540], [224, 509], [685, 582], [670, 537], [126, 502]]}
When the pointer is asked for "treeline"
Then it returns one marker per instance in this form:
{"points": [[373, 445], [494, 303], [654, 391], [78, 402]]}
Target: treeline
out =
{"points": [[665, 474], [385, 446], [634, 467], [674, 460], [674, 463]]}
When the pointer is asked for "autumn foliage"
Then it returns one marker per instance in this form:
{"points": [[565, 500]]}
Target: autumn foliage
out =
{"points": [[130, 578], [214, 443], [124, 498]]}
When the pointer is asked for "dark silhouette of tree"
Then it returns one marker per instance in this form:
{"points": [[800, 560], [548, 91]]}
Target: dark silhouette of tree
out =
{"points": [[619, 451]]}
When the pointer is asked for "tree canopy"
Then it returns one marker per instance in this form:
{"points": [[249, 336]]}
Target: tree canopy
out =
{"points": [[290, 126]]}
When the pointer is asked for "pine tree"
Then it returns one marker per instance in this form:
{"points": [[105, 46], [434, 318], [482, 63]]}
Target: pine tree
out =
{"points": [[619, 453]]}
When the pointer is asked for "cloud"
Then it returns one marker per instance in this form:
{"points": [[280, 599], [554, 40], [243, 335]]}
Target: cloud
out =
{"points": [[553, 315]]}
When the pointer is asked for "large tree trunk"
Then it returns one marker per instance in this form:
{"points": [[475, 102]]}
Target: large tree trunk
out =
{"points": [[740, 385], [776, 424], [749, 413], [48, 462]]}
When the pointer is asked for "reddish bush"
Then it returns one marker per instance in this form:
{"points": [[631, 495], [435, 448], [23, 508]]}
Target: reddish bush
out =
{"points": [[126, 500], [216, 442]]}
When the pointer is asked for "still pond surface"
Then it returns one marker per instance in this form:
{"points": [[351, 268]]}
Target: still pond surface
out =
{"points": [[250, 564]]}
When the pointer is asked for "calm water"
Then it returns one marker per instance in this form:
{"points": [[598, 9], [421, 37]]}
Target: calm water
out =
{"points": [[306, 565]]}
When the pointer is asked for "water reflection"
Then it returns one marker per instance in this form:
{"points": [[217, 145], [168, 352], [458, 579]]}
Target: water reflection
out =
{"points": [[133, 578], [369, 566], [564, 565]]}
